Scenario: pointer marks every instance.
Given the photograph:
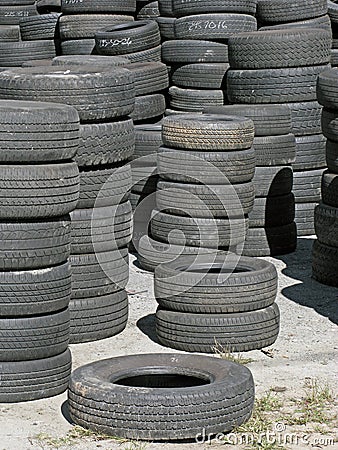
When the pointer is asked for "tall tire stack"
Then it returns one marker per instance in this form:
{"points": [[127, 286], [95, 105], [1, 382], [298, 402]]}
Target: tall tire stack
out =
{"points": [[198, 55], [80, 21], [325, 249], [227, 301], [205, 190], [289, 60], [101, 224], [39, 185], [147, 10], [311, 16], [166, 20], [272, 230], [333, 13]]}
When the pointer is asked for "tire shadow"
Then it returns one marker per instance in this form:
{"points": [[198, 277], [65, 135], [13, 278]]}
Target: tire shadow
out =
{"points": [[147, 325], [65, 412], [310, 293]]}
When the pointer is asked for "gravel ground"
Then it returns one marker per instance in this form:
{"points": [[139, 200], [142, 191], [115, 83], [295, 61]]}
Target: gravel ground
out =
{"points": [[306, 349]]}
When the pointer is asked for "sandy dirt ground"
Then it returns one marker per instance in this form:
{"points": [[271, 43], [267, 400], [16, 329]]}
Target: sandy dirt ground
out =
{"points": [[306, 349]]}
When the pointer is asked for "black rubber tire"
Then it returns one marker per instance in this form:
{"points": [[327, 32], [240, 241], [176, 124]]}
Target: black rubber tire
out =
{"points": [[334, 58], [97, 318], [323, 22], [33, 292], [186, 8], [269, 120], [304, 218], [104, 186], [239, 332], [85, 60], [148, 139], [149, 77], [207, 132], [12, 14], [34, 245], [330, 189], [150, 55], [198, 200], [27, 338], [209, 394], [306, 185], [332, 156], [330, 124], [208, 167], [327, 91], [129, 37], [213, 26], [198, 232], [200, 75], [14, 54], [39, 27], [273, 241], [292, 47], [38, 191], [101, 229], [166, 26], [85, 26], [100, 6], [9, 33], [283, 11], [247, 284], [95, 95], [148, 107], [310, 152], [78, 47], [289, 85], [194, 51], [326, 224], [194, 99], [272, 211], [99, 274], [275, 150], [305, 118], [333, 11], [273, 181], [149, 11], [325, 264], [105, 143], [166, 8], [32, 380], [37, 132]]}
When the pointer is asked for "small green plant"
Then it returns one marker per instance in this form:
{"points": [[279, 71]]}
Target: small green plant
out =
{"points": [[226, 352]]}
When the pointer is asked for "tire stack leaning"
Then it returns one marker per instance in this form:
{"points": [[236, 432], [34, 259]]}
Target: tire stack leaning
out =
{"points": [[272, 230], [205, 190], [325, 249], [310, 155], [198, 56], [289, 60], [80, 21], [39, 186], [101, 224]]}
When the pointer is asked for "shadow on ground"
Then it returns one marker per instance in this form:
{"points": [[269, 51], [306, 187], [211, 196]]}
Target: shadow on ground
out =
{"points": [[147, 325], [309, 293]]}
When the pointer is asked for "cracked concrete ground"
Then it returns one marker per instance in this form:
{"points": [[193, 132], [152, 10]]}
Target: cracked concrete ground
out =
{"points": [[306, 348]]}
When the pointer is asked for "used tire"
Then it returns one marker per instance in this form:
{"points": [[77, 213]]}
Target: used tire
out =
{"points": [[330, 124], [283, 11], [39, 27], [304, 218], [327, 91], [194, 99], [330, 189], [305, 118], [275, 150], [332, 156], [200, 75], [326, 224], [85, 60], [273, 181], [149, 77], [310, 152], [148, 106], [182, 8], [106, 6], [306, 185], [272, 211], [16, 53], [272, 241], [190, 51], [325, 264]]}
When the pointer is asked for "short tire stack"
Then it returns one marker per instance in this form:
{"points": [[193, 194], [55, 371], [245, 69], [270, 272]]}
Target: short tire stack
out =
{"points": [[39, 187], [325, 249]]}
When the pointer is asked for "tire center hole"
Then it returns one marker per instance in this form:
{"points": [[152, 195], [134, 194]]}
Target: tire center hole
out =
{"points": [[161, 380]]}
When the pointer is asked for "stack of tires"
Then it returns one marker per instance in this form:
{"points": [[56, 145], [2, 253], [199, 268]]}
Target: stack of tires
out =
{"points": [[198, 55], [310, 159], [147, 9], [205, 190], [282, 66], [333, 13], [101, 226], [41, 30], [325, 249], [166, 20], [224, 302], [39, 185], [81, 19], [272, 230]]}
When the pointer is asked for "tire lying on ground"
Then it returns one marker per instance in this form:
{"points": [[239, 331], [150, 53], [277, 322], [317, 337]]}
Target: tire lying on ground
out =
{"points": [[225, 285], [183, 393]]}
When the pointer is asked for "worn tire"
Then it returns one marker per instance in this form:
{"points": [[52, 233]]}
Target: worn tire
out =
{"points": [[332, 156], [186, 8], [330, 124], [272, 211], [100, 6], [275, 150], [273, 181], [304, 218], [326, 224], [273, 241], [283, 11], [327, 91], [305, 118], [190, 51], [148, 107], [194, 99], [16, 53], [39, 27], [149, 78], [325, 264], [200, 75], [329, 188], [310, 152], [12, 14], [85, 60], [76, 47], [306, 185]]}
